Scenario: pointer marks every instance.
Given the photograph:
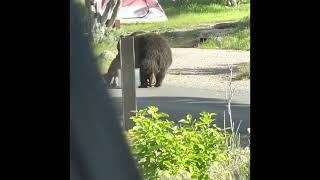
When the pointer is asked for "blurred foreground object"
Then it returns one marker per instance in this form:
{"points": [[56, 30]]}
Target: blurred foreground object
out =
{"points": [[98, 150]]}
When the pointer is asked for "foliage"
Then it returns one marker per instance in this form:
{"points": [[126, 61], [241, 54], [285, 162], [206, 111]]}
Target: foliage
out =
{"points": [[103, 33], [105, 48], [161, 147], [108, 41], [181, 175]]}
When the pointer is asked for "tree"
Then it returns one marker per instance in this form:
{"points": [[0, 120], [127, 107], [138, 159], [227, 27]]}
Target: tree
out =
{"points": [[96, 22]]}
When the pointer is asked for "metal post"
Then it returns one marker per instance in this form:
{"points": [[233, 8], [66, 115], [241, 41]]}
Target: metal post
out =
{"points": [[127, 58]]}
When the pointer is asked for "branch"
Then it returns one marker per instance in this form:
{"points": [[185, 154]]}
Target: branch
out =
{"points": [[114, 14]]}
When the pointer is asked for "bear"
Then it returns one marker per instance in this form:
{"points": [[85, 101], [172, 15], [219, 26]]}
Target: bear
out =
{"points": [[152, 55]]}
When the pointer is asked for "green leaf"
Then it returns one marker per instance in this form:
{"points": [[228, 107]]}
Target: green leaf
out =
{"points": [[175, 128], [167, 164], [189, 118], [183, 121], [200, 124], [190, 169], [142, 160], [201, 146]]}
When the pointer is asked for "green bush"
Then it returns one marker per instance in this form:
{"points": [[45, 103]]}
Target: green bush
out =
{"points": [[163, 148], [102, 34], [106, 47]]}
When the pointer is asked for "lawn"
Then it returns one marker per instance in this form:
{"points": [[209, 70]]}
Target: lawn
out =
{"points": [[191, 16], [238, 38]]}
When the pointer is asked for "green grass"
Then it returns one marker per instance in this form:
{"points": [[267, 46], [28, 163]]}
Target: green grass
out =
{"points": [[244, 72], [236, 168], [238, 38], [192, 16]]}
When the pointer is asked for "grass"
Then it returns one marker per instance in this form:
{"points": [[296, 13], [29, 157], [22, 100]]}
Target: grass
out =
{"points": [[244, 72], [237, 168], [192, 16], [238, 38]]}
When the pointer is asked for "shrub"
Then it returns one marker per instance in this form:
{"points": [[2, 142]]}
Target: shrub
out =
{"points": [[105, 47], [103, 33], [162, 147]]}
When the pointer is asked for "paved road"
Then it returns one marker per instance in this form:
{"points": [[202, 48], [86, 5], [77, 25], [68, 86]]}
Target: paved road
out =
{"points": [[177, 102], [206, 69]]}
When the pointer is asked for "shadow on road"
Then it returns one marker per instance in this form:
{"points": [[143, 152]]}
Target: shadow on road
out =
{"points": [[179, 107], [201, 71]]}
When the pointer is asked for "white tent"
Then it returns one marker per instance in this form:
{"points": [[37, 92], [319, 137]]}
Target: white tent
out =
{"points": [[130, 11], [133, 11]]}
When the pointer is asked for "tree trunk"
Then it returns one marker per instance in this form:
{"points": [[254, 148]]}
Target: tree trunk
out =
{"points": [[115, 10]]}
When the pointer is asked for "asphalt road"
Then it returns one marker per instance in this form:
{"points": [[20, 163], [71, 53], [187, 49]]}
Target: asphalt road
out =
{"points": [[177, 102]]}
